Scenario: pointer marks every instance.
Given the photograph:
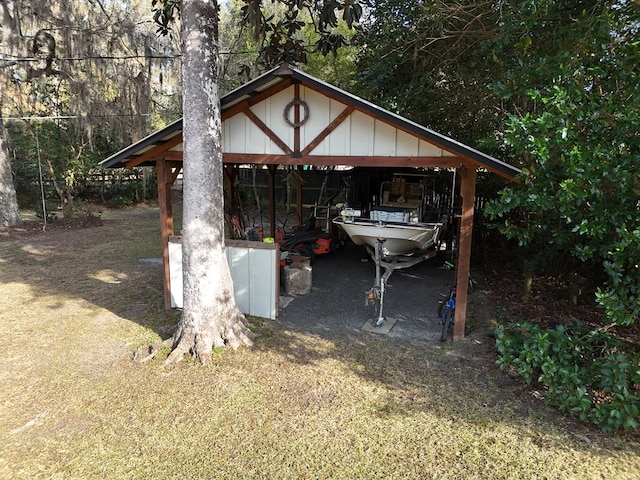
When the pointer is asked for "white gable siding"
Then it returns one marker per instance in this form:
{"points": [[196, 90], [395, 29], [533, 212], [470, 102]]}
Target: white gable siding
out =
{"points": [[234, 133], [361, 141], [426, 149], [337, 143], [256, 140], [406, 145], [358, 135], [321, 113], [384, 140]]}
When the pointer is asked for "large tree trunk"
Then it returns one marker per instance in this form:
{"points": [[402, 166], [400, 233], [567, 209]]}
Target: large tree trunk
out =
{"points": [[210, 316], [9, 212]]}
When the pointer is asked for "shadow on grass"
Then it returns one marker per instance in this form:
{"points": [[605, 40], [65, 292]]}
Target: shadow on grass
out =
{"points": [[115, 267]]}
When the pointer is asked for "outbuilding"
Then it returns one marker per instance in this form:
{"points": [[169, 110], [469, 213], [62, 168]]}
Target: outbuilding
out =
{"points": [[287, 117]]}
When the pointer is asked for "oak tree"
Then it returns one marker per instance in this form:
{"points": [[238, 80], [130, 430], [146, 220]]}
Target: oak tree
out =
{"points": [[210, 316], [9, 211]]}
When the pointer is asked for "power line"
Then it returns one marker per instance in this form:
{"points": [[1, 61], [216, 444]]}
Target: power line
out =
{"points": [[13, 58], [66, 117]]}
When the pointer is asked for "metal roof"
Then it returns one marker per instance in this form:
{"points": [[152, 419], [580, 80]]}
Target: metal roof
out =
{"points": [[287, 73]]}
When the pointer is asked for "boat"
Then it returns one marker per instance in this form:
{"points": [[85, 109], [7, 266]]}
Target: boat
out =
{"points": [[398, 238], [397, 221], [394, 234]]}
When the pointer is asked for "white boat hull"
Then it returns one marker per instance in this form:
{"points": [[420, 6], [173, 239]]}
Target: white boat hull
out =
{"points": [[399, 238]]}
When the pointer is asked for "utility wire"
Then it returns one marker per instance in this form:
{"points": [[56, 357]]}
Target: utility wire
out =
{"points": [[66, 117], [13, 58]]}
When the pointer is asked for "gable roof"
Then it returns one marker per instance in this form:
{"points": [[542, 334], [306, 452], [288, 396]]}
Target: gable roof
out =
{"points": [[275, 147]]}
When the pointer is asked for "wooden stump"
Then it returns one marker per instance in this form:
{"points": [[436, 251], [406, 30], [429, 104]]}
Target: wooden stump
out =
{"points": [[297, 279]]}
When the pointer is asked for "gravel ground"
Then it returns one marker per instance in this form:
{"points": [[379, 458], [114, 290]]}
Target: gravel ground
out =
{"points": [[336, 304]]}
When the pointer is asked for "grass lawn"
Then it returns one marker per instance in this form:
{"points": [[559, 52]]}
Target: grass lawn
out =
{"points": [[75, 303]]}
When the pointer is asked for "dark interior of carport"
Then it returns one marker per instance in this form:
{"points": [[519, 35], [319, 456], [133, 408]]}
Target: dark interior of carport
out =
{"points": [[290, 146]]}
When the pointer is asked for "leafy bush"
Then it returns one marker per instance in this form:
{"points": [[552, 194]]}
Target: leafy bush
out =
{"points": [[577, 86], [584, 372], [50, 206], [80, 209], [119, 201]]}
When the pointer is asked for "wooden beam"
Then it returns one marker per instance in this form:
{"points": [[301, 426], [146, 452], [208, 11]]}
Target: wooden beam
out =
{"points": [[265, 159], [272, 199], [328, 129], [296, 120], [463, 264], [334, 160], [383, 161], [174, 155], [230, 172], [287, 159], [155, 152], [299, 182], [173, 170], [331, 160], [165, 180], [267, 131]]}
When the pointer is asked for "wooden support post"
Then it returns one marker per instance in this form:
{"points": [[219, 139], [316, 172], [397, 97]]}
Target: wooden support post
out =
{"points": [[165, 180], [463, 264], [230, 172], [299, 193], [296, 116], [272, 199]]}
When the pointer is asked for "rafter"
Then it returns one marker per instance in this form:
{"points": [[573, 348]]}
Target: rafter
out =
{"points": [[155, 152], [328, 129]]}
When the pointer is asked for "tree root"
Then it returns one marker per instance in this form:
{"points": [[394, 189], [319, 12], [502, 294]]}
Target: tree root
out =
{"points": [[176, 356], [184, 340], [144, 353]]}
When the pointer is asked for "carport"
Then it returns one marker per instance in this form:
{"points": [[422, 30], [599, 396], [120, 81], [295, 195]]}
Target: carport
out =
{"points": [[287, 117]]}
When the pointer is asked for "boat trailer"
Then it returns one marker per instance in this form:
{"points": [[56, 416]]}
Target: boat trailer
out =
{"points": [[390, 264]]}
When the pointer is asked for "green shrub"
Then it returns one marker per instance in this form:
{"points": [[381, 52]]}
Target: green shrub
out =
{"points": [[586, 372], [51, 207], [119, 201]]}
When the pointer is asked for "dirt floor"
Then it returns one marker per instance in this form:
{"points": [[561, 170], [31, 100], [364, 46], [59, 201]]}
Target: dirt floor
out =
{"points": [[337, 299], [341, 280]]}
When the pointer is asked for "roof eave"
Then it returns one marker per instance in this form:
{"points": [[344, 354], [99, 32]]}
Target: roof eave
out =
{"points": [[117, 160], [284, 71], [499, 167]]}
